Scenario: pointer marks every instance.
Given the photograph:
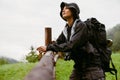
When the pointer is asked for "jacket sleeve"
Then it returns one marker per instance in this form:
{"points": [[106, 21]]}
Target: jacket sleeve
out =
{"points": [[78, 40]]}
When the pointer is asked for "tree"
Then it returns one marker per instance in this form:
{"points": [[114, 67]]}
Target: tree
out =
{"points": [[116, 41], [3, 61], [114, 35], [32, 56]]}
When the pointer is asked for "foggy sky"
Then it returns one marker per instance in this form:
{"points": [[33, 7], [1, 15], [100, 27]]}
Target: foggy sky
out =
{"points": [[22, 22]]}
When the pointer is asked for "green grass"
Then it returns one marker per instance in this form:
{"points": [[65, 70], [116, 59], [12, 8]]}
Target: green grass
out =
{"points": [[15, 71], [116, 61], [63, 69]]}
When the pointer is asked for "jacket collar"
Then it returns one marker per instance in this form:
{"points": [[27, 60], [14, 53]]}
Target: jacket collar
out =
{"points": [[72, 29]]}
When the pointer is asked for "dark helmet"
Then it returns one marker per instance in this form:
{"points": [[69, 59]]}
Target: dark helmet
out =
{"points": [[71, 6]]}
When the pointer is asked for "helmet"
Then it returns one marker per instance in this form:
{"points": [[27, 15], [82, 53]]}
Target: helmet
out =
{"points": [[70, 5]]}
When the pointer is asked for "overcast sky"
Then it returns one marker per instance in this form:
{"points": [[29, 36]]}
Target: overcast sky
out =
{"points": [[22, 22]]}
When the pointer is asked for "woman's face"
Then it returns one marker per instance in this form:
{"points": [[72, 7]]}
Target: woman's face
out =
{"points": [[66, 13]]}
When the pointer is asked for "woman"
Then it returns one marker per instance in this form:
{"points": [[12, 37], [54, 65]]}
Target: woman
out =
{"points": [[73, 41]]}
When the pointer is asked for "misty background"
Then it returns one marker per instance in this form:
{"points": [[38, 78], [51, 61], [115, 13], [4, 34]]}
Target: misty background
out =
{"points": [[22, 22]]}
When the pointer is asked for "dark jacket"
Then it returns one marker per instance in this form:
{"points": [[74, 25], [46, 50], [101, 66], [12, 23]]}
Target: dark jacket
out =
{"points": [[77, 41], [76, 45]]}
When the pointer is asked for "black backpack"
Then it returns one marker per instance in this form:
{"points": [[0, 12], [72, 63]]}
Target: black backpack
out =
{"points": [[97, 37]]}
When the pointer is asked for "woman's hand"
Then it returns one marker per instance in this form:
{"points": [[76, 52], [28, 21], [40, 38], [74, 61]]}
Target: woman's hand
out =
{"points": [[42, 49]]}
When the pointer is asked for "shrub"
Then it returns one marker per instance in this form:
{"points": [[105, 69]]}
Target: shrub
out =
{"points": [[3, 61]]}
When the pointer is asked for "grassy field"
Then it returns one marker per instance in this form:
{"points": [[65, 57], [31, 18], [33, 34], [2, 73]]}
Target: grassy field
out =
{"points": [[116, 61], [63, 70], [15, 71]]}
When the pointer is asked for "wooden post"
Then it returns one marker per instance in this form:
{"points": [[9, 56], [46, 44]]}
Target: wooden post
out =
{"points": [[48, 39], [44, 70], [48, 36]]}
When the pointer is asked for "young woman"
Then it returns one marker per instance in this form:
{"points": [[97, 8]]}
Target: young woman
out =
{"points": [[73, 42]]}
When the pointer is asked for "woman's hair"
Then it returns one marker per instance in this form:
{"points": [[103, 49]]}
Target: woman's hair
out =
{"points": [[73, 8], [74, 13]]}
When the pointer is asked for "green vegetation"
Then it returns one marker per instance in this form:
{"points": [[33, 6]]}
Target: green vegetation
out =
{"points": [[15, 71], [63, 69], [32, 56], [3, 61], [116, 61], [113, 34]]}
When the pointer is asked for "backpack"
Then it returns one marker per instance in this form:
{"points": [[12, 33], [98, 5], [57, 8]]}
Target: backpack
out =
{"points": [[97, 37]]}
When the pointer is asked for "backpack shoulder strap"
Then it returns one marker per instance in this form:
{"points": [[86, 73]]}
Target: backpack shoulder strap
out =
{"points": [[113, 69]]}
